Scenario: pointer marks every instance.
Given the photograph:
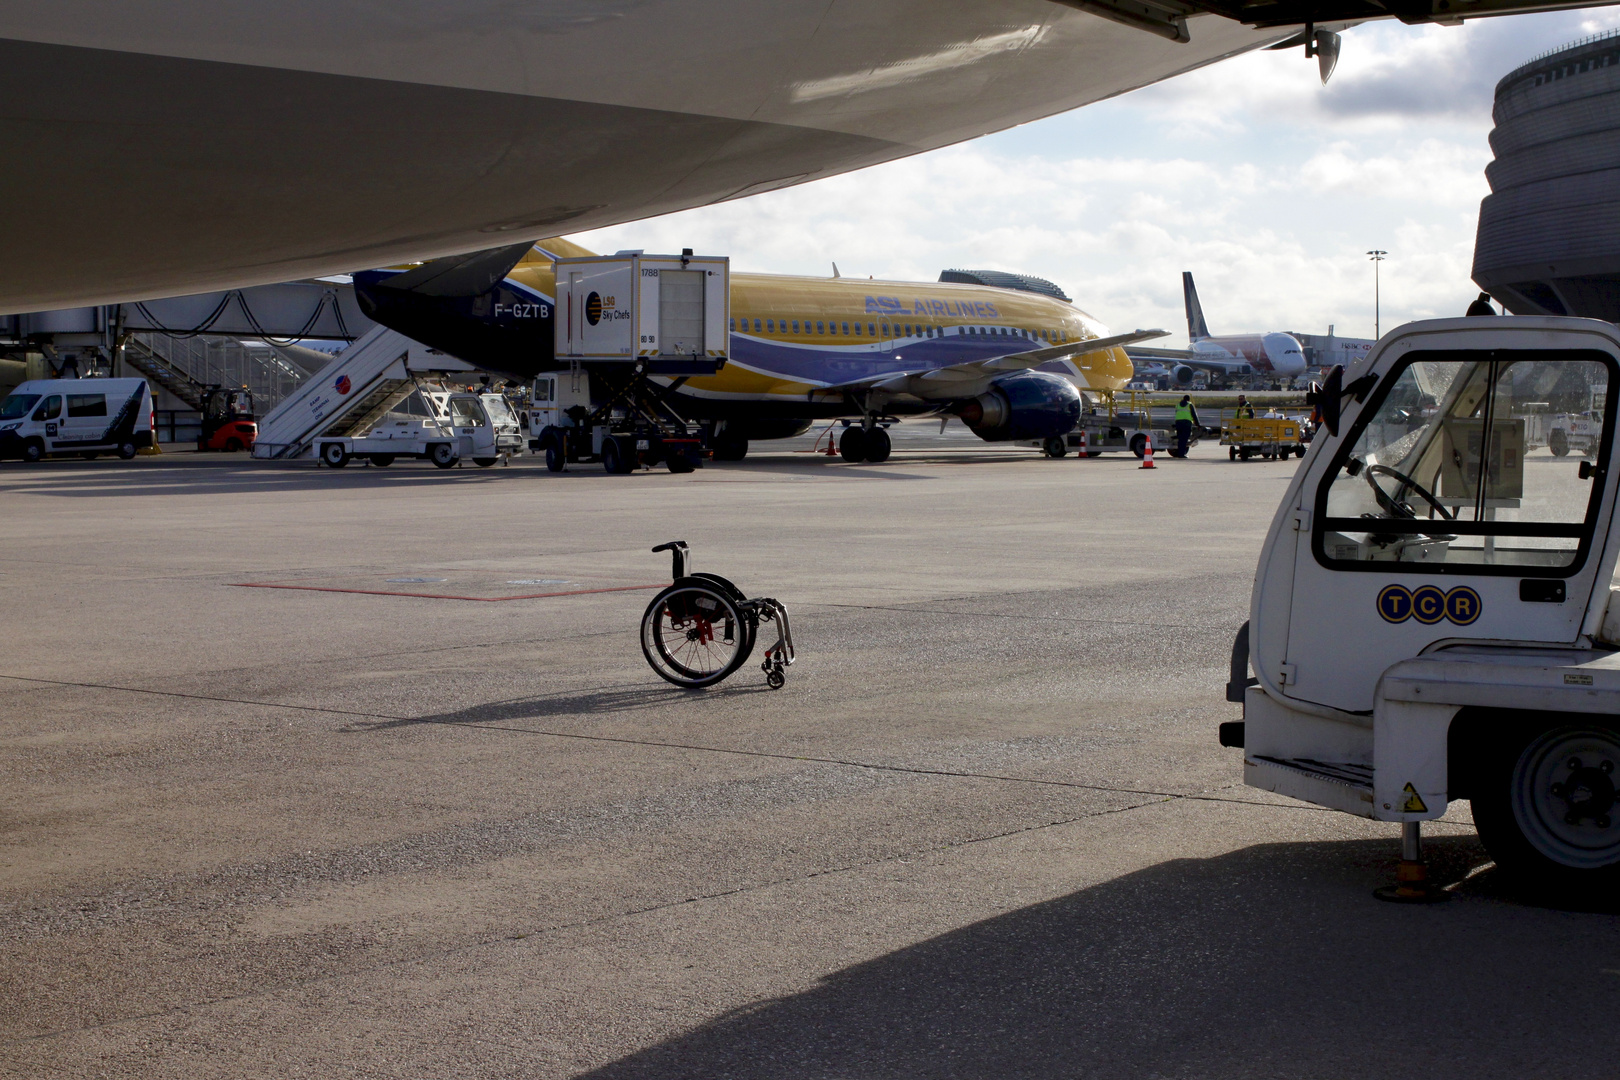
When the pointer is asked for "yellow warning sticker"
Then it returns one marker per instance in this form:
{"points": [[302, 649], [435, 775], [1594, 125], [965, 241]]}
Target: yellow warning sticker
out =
{"points": [[1414, 802]]}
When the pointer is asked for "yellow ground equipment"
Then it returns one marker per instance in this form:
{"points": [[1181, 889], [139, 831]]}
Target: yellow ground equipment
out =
{"points": [[1263, 436]]}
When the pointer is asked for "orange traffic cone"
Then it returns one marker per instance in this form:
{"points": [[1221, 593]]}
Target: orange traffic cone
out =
{"points": [[1147, 452], [832, 443], [1083, 453]]}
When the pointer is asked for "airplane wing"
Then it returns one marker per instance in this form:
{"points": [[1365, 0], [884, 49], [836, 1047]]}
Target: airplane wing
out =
{"points": [[972, 378], [1188, 358]]}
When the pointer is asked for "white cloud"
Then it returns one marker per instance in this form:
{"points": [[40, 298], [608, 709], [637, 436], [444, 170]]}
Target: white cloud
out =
{"points": [[1266, 185]]}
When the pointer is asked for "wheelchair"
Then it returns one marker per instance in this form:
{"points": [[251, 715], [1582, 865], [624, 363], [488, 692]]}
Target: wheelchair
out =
{"points": [[702, 628]]}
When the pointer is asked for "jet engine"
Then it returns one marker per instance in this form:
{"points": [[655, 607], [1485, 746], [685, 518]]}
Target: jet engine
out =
{"points": [[1182, 375], [1023, 405]]}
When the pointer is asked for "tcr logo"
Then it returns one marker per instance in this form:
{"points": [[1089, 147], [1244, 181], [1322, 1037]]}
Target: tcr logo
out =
{"points": [[1428, 604]]}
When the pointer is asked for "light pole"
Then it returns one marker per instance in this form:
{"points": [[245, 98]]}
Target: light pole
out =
{"points": [[1376, 257]]}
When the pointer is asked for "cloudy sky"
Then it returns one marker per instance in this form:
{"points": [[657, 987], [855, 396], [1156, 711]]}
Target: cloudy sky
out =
{"points": [[1251, 174]]}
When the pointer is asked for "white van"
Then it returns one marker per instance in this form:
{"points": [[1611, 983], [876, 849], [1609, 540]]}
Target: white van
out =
{"points": [[76, 416]]}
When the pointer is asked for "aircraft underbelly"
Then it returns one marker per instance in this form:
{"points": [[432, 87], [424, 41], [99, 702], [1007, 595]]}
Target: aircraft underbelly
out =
{"points": [[182, 146]]}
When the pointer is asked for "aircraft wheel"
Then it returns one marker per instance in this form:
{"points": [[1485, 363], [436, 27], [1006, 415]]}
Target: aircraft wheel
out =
{"points": [[1055, 447], [1547, 808], [382, 461], [126, 450], [877, 445], [852, 445], [443, 455], [335, 455]]}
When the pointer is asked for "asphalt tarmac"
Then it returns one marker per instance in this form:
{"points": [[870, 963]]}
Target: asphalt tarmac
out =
{"points": [[379, 816]]}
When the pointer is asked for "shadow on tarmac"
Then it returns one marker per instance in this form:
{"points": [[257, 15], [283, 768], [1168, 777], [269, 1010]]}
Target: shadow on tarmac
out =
{"points": [[1273, 961], [590, 702]]}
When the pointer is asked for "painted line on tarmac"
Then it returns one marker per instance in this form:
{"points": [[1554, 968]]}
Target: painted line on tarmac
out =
{"points": [[389, 720], [437, 596]]}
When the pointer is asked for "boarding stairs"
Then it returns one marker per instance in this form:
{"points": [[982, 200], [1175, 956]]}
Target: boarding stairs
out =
{"points": [[350, 395], [140, 355]]}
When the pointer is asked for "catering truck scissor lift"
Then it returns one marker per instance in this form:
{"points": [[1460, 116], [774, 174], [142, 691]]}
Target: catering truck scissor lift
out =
{"points": [[630, 329], [1433, 615]]}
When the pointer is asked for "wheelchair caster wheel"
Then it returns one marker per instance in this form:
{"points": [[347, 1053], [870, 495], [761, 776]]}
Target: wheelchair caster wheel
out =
{"points": [[775, 677]]}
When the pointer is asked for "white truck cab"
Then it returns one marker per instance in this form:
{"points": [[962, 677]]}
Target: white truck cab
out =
{"points": [[86, 417], [1431, 616]]}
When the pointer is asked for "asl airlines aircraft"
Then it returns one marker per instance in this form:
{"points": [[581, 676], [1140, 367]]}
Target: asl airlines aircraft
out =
{"points": [[1009, 363], [194, 145]]}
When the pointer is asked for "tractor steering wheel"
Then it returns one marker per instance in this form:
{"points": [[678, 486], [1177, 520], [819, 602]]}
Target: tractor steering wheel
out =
{"points": [[1395, 505]]}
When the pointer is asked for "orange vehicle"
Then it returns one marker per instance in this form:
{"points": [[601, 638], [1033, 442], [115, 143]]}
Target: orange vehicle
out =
{"points": [[227, 420]]}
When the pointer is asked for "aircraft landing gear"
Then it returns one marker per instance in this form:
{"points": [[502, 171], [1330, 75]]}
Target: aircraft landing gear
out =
{"points": [[865, 444]]}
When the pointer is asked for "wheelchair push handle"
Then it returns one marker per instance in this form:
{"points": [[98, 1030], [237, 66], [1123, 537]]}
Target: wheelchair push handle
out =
{"points": [[680, 558]]}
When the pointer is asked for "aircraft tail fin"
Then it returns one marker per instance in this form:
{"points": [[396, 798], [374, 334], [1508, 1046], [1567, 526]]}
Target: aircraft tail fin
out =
{"points": [[1197, 328]]}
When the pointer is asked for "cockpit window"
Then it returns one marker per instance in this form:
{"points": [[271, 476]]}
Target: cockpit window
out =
{"points": [[16, 406], [1419, 482]]}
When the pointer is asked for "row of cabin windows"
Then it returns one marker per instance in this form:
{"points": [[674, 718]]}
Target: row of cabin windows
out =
{"points": [[769, 326]]}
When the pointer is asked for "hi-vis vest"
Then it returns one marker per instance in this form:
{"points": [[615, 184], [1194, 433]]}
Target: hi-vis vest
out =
{"points": [[1183, 412]]}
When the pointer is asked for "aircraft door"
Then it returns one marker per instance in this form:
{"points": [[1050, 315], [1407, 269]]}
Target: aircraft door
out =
{"points": [[1431, 521]]}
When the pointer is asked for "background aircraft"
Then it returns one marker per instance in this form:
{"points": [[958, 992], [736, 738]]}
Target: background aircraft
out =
{"points": [[164, 147], [1269, 357], [1010, 363]]}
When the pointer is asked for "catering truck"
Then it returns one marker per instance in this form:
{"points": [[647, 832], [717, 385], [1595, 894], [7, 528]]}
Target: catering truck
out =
{"points": [[1433, 616]]}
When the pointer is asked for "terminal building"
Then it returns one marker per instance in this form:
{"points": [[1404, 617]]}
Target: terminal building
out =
{"points": [[1549, 231]]}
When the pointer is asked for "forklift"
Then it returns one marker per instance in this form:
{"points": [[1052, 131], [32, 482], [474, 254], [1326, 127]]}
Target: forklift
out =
{"points": [[227, 419]]}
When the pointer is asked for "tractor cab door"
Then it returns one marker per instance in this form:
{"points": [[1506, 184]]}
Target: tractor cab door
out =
{"points": [[1428, 521]]}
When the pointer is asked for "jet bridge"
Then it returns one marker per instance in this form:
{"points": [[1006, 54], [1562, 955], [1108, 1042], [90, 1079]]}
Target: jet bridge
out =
{"points": [[351, 394]]}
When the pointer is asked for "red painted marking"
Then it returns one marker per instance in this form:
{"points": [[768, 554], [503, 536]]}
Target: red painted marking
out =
{"points": [[439, 596]]}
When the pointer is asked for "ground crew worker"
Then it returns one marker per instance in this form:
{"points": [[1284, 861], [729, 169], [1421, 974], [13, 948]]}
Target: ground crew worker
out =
{"points": [[1186, 417], [1245, 411]]}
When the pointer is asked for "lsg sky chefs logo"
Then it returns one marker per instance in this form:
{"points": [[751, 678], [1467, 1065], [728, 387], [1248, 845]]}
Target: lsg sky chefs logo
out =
{"points": [[1428, 604], [599, 307]]}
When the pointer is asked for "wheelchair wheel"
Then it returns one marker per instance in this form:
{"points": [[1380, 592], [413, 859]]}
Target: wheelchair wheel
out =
{"points": [[694, 634]]}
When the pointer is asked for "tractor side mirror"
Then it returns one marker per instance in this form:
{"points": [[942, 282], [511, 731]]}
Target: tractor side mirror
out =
{"points": [[1326, 398]]}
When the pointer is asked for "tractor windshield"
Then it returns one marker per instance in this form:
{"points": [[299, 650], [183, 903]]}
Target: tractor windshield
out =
{"points": [[1419, 480]]}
